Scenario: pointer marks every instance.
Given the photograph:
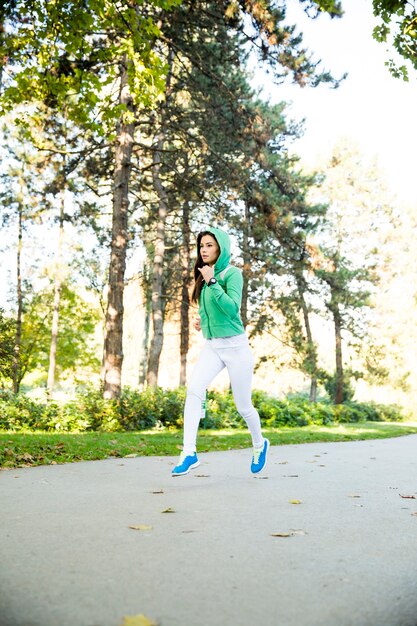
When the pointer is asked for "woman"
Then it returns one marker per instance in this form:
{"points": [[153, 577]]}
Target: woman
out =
{"points": [[218, 291]]}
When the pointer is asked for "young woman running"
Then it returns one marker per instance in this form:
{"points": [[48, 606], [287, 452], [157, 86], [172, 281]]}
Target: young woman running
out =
{"points": [[218, 291]]}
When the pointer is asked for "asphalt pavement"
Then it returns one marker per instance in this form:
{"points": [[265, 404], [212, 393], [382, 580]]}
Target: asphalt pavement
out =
{"points": [[327, 536]]}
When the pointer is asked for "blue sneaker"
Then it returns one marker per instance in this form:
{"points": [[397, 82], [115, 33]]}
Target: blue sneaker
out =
{"points": [[259, 458], [187, 463]]}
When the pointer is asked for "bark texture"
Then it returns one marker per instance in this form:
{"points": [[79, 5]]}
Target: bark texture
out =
{"points": [[311, 348], [185, 294], [57, 299], [338, 399], [158, 305], [18, 335], [113, 343], [246, 256]]}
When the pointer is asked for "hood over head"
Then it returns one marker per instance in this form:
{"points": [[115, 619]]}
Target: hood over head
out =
{"points": [[223, 240]]}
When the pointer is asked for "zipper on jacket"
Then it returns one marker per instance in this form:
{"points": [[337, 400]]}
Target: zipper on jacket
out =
{"points": [[205, 309]]}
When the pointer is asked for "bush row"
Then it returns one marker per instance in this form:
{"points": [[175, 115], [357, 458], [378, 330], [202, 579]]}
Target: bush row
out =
{"points": [[157, 407]]}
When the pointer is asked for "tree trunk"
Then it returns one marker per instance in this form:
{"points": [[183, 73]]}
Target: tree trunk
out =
{"points": [[246, 266], [57, 296], [145, 344], [18, 336], [157, 340], [113, 343], [185, 293], [338, 399], [158, 308], [311, 348]]}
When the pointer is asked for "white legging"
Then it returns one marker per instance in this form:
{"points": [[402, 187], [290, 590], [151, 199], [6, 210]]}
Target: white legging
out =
{"points": [[218, 353]]}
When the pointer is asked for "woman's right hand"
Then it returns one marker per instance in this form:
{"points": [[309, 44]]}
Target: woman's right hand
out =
{"points": [[197, 323]]}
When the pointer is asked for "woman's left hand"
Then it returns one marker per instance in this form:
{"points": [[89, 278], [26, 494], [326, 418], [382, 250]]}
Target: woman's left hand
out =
{"points": [[207, 272]]}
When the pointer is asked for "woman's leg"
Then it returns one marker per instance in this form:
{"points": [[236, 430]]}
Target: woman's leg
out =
{"points": [[207, 367], [239, 363]]}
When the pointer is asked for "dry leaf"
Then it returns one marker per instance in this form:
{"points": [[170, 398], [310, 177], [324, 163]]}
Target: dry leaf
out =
{"points": [[138, 620], [261, 477], [130, 456], [157, 491], [290, 476], [282, 462], [353, 495], [202, 475], [179, 447], [409, 497], [168, 510], [188, 531], [291, 533], [415, 513], [295, 501], [141, 527]]}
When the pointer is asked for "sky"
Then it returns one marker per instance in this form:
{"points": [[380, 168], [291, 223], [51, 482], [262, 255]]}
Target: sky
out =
{"points": [[370, 108]]}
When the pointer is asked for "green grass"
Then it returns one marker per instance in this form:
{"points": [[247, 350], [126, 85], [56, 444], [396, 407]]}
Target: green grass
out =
{"points": [[40, 448]]}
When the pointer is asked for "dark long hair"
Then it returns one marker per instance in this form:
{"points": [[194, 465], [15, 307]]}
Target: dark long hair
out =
{"points": [[198, 277]]}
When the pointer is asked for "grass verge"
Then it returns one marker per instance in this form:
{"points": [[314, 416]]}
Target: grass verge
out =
{"points": [[40, 448]]}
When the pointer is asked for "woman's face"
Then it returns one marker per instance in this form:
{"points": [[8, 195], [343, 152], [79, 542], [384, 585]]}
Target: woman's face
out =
{"points": [[209, 249]]}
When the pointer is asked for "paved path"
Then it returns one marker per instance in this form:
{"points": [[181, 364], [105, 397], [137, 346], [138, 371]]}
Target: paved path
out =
{"points": [[69, 558]]}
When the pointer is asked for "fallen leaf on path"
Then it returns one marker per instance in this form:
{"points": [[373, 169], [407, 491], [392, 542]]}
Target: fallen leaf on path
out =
{"points": [[141, 527], [317, 455], [261, 477], [282, 462], [130, 456], [409, 497], [295, 501], [322, 466], [138, 620], [157, 491], [414, 514], [313, 461], [291, 533], [188, 531], [353, 495], [290, 476], [202, 475], [168, 510]]}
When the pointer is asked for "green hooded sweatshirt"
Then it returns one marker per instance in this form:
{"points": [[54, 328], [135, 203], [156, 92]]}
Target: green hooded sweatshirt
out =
{"points": [[219, 304]]}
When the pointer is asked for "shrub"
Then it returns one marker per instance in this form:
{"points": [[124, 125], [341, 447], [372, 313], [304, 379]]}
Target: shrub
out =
{"points": [[157, 407]]}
